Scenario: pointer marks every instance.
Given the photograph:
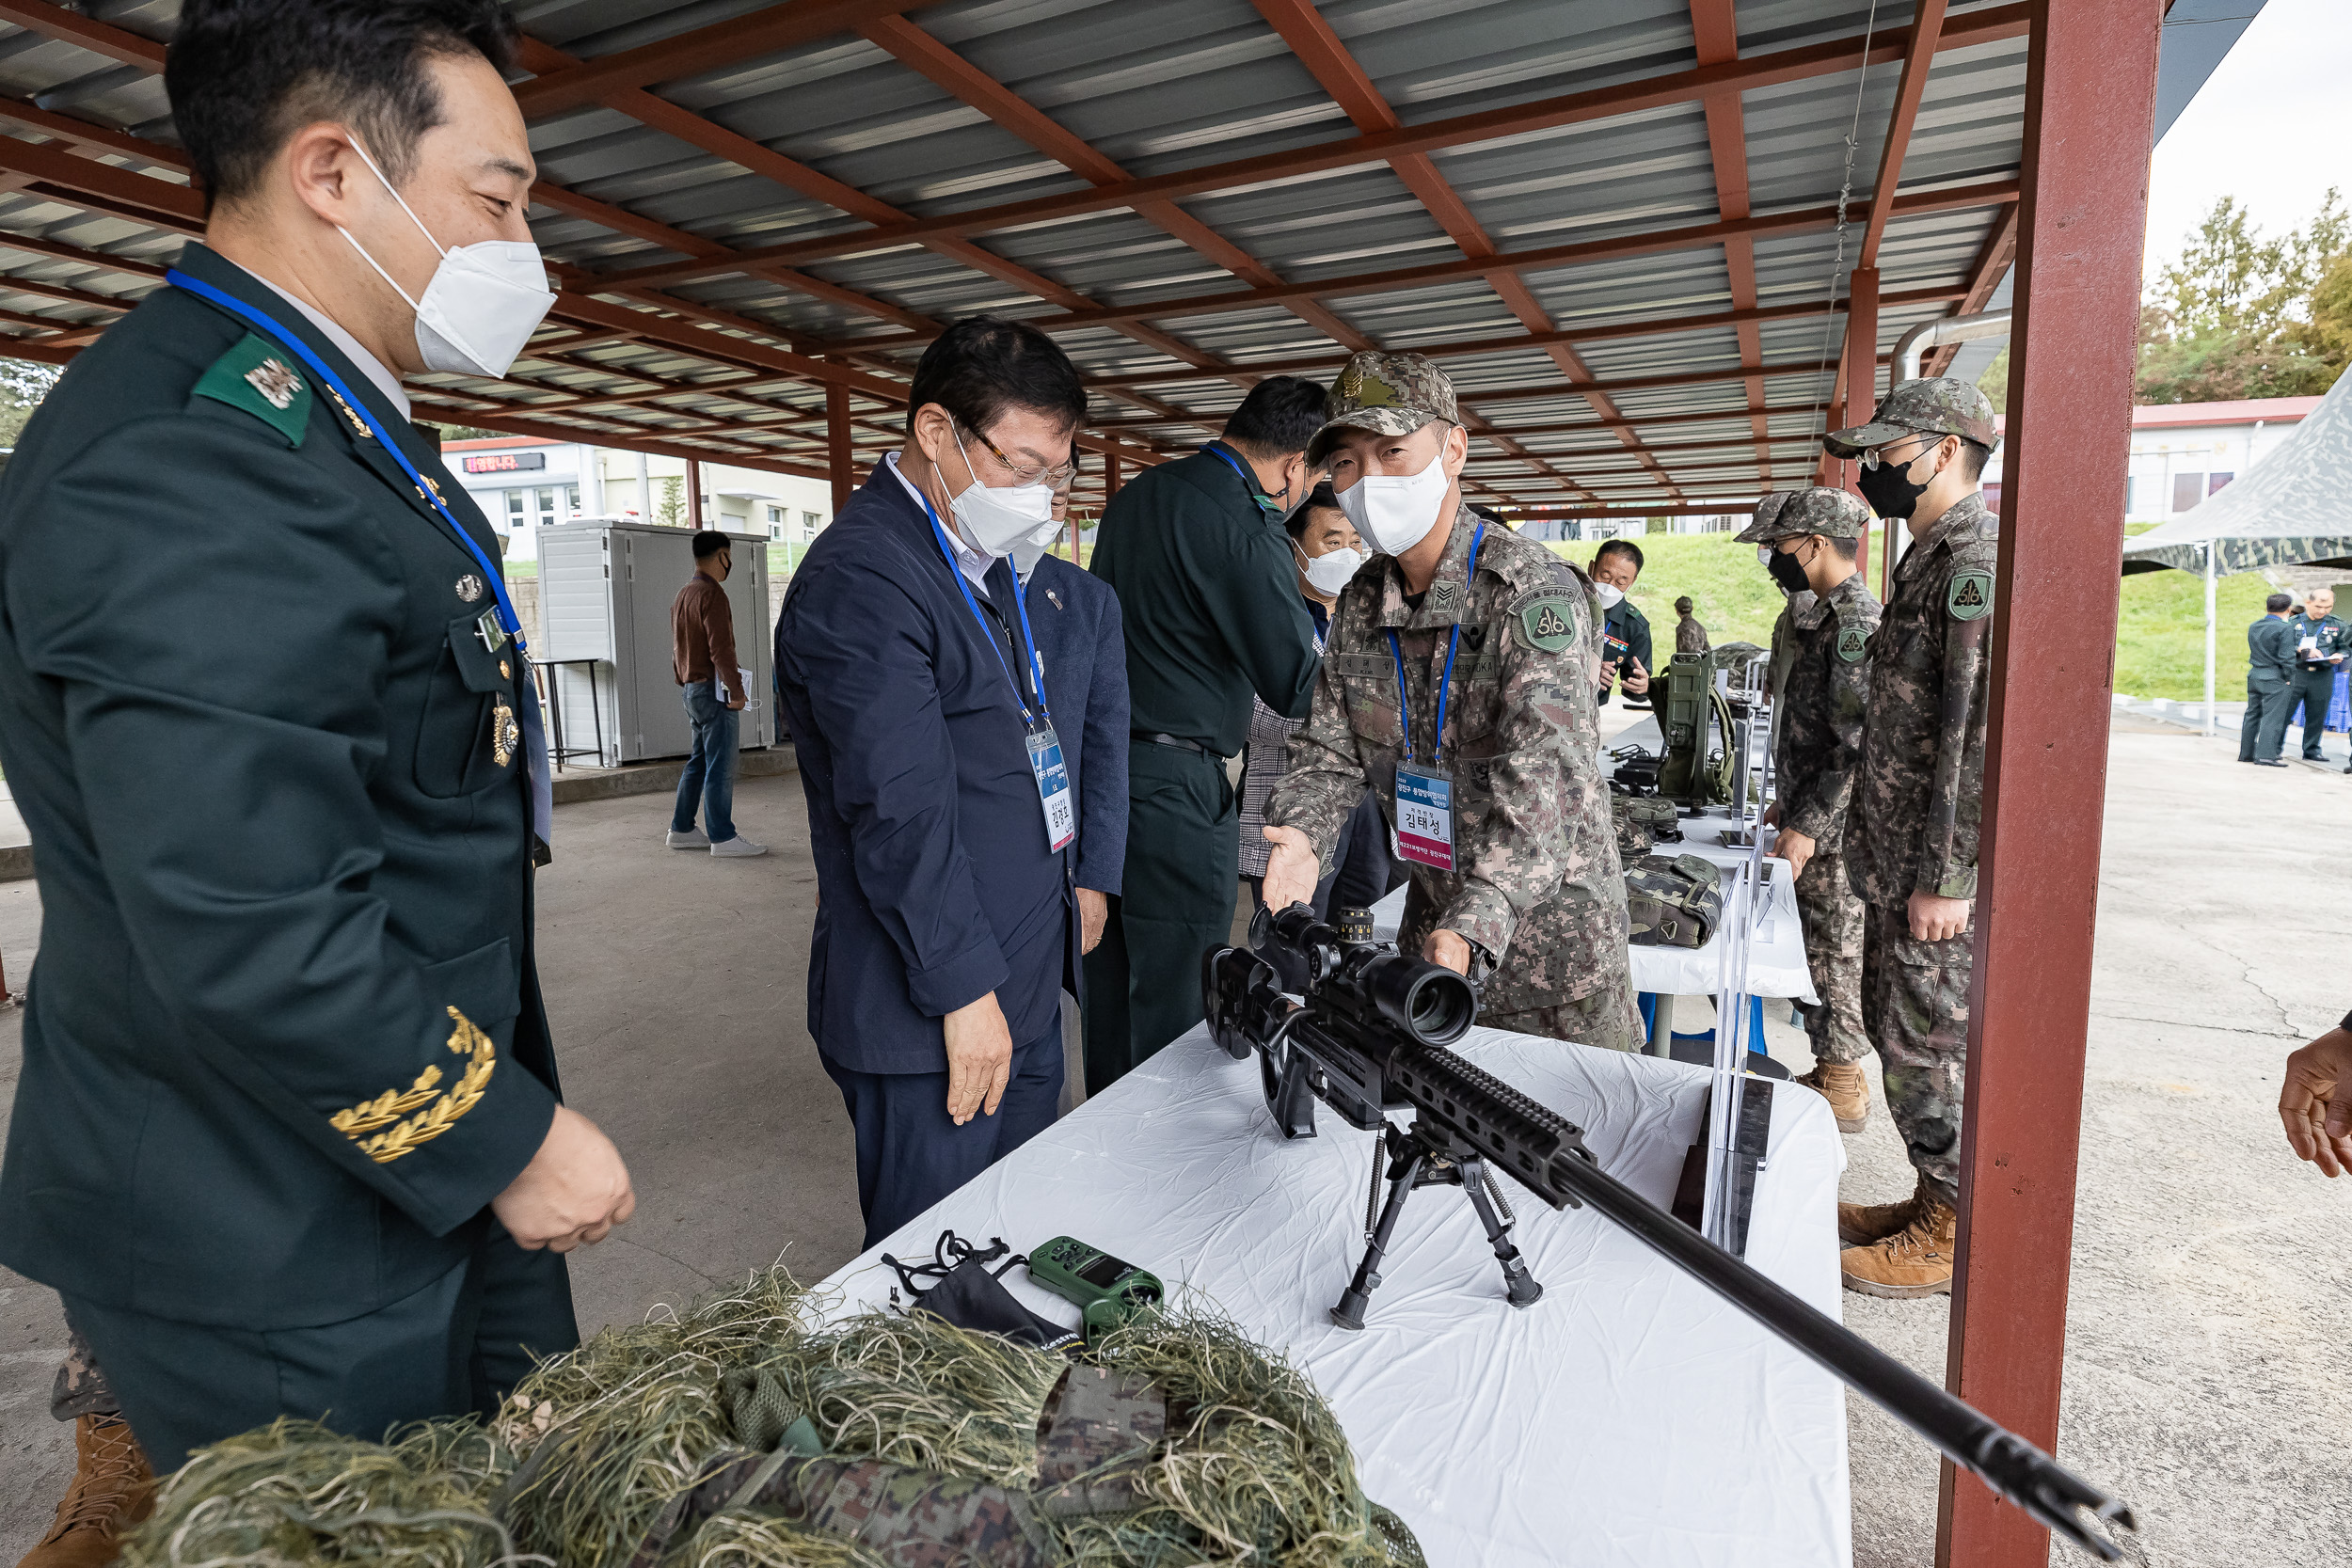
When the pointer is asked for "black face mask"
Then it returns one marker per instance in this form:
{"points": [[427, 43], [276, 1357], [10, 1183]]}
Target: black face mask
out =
{"points": [[1889, 489], [1789, 575]]}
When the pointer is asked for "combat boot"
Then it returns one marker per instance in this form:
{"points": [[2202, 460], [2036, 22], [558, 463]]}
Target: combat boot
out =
{"points": [[1862, 1223], [113, 1489], [1914, 1262], [1848, 1092]]}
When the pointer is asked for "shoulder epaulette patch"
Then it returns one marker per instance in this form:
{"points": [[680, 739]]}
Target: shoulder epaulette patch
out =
{"points": [[1853, 642], [261, 378], [1969, 595], [1547, 620]]}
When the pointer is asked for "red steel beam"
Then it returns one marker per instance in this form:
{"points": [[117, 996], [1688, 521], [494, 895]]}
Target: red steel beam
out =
{"points": [[2090, 81], [1860, 369], [1834, 57], [730, 42], [838, 447], [1715, 31], [1927, 26], [85, 32], [1992, 262]]}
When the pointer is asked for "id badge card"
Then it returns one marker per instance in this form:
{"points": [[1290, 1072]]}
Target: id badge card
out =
{"points": [[1425, 817], [1052, 784]]}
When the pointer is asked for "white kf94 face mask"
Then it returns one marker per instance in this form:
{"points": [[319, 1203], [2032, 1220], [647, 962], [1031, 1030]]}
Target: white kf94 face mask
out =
{"points": [[994, 521], [1609, 594], [1030, 547], [1394, 512], [483, 304], [1332, 571]]}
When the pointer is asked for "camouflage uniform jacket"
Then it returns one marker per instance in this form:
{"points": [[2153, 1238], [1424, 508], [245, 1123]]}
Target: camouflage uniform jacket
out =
{"points": [[1917, 799], [1822, 692], [1538, 887]]}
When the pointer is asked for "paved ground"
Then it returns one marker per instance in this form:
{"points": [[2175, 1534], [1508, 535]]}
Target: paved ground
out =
{"points": [[2213, 1298]]}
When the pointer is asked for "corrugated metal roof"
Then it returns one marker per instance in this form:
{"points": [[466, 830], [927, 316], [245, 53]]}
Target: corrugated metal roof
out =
{"points": [[727, 123]]}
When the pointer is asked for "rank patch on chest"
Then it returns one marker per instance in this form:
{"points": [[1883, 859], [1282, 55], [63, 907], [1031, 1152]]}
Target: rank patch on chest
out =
{"points": [[1969, 595], [1445, 598], [274, 382], [506, 736], [1851, 641], [469, 588]]}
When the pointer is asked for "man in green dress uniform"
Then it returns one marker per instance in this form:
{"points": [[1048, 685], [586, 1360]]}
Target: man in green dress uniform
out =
{"points": [[1209, 603], [288, 1139]]}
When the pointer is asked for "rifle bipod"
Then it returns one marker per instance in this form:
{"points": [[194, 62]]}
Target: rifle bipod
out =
{"points": [[1420, 1159]]}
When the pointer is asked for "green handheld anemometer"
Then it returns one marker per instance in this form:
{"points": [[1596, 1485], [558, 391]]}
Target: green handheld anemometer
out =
{"points": [[1108, 1292]]}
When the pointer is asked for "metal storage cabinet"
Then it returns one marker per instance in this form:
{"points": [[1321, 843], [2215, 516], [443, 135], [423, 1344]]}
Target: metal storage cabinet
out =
{"points": [[605, 591]]}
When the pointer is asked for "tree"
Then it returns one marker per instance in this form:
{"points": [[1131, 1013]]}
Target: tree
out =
{"points": [[23, 384], [1993, 383], [2234, 315], [670, 511]]}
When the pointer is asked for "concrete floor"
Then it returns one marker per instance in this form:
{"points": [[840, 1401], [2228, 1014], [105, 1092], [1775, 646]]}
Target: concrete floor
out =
{"points": [[2212, 1294]]}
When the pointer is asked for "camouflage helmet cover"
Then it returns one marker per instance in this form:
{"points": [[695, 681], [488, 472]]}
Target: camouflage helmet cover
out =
{"points": [[1816, 509], [1931, 405], [1393, 395]]}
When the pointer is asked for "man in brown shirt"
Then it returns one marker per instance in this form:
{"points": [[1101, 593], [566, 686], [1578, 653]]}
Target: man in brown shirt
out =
{"points": [[702, 643]]}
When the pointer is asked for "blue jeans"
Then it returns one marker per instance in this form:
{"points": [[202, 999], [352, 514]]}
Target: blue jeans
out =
{"points": [[709, 775]]}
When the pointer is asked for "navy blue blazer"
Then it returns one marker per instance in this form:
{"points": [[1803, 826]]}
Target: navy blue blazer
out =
{"points": [[1075, 617], [936, 885]]}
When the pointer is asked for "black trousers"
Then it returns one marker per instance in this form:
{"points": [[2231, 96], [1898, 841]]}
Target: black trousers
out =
{"points": [[2264, 734], [910, 1155], [458, 1344], [1176, 901], [2312, 690]]}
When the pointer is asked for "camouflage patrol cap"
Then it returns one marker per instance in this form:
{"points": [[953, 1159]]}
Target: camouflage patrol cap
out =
{"points": [[1816, 509], [1393, 393], [1934, 405]]}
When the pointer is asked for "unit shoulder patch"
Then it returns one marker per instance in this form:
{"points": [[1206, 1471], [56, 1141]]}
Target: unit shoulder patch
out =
{"points": [[1546, 620], [264, 380], [1969, 595], [1853, 643]]}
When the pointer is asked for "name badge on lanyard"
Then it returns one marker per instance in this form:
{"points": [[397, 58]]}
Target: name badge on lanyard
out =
{"points": [[1046, 764], [1424, 793]]}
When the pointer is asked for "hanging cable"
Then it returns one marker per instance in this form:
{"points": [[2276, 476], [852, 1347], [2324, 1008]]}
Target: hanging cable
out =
{"points": [[1845, 194]]}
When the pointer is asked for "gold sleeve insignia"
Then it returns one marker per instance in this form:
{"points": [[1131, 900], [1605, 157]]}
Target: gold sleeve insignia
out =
{"points": [[393, 1105]]}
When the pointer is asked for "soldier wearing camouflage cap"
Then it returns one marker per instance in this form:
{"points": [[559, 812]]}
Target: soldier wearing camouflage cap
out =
{"points": [[1911, 833], [1457, 683], [1807, 540]]}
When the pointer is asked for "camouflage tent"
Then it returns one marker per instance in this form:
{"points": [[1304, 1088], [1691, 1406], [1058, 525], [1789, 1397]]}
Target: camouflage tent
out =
{"points": [[2293, 508]]}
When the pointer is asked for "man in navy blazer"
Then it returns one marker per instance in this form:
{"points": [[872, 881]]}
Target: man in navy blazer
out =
{"points": [[945, 924], [1075, 616]]}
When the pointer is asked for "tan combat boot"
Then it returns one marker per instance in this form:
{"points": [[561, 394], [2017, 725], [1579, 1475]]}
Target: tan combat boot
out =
{"points": [[1861, 1224], [113, 1489], [1848, 1092], [1914, 1262]]}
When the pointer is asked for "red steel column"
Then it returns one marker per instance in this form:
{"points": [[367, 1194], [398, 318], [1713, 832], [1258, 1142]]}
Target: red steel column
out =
{"points": [[1862, 374], [1110, 477], [2089, 94], [695, 492], [838, 460]]}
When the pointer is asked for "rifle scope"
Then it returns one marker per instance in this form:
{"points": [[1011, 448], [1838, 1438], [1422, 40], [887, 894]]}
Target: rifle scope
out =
{"points": [[1427, 1003]]}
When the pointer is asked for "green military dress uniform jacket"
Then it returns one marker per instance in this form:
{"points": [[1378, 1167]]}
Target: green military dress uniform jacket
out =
{"points": [[285, 1040], [1920, 796], [1538, 887]]}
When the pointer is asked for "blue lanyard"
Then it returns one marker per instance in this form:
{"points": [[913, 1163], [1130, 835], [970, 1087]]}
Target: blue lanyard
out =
{"points": [[1265, 502], [507, 618], [1403, 717], [1020, 599]]}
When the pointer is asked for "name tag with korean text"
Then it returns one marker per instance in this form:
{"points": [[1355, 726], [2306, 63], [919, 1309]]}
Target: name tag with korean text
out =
{"points": [[1052, 784], [1425, 817]]}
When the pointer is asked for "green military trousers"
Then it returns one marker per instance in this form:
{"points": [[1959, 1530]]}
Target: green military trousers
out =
{"points": [[455, 1345], [1176, 901]]}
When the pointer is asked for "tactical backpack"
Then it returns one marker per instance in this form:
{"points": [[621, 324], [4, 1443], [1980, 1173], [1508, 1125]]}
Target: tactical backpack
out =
{"points": [[1674, 900], [1642, 821]]}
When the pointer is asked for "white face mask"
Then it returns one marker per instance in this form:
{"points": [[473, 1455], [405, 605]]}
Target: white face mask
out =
{"points": [[1609, 594], [483, 304], [1393, 514], [993, 521], [1332, 571], [1030, 549], [1764, 556]]}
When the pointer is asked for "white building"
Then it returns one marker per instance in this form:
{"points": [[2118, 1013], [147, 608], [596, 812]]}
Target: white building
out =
{"points": [[2183, 451], [522, 482]]}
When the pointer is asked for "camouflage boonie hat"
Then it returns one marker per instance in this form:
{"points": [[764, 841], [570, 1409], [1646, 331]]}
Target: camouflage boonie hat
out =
{"points": [[1934, 405], [1393, 393], [1816, 509]]}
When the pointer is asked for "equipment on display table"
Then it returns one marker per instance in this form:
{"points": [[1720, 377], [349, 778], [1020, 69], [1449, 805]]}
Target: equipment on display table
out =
{"points": [[1707, 717], [1371, 1036], [1108, 1292]]}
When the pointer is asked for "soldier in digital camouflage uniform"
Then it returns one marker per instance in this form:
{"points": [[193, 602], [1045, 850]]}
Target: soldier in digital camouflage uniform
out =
{"points": [[1820, 687], [1535, 907], [1911, 834]]}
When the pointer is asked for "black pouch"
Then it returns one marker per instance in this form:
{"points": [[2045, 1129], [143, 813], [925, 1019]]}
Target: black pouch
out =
{"points": [[970, 1296]]}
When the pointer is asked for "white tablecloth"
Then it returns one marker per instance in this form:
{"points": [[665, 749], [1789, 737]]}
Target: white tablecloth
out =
{"points": [[1776, 965], [1628, 1417]]}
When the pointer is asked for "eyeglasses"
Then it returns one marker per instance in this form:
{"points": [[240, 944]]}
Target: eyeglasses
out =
{"points": [[1032, 473], [1872, 458]]}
